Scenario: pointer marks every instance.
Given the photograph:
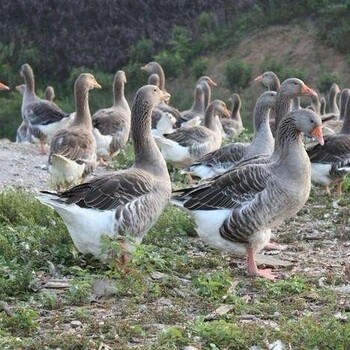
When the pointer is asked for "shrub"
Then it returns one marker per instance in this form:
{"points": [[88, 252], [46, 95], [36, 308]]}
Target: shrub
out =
{"points": [[172, 63], [237, 73], [199, 67], [142, 51], [326, 81]]}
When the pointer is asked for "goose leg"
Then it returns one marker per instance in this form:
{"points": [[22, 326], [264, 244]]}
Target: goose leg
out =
{"points": [[327, 190], [42, 148], [338, 188], [253, 268]]}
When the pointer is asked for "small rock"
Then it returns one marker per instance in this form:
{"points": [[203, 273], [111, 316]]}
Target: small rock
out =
{"points": [[157, 275], [220, 311], [189, 348], [103, 288], [76, 324]]}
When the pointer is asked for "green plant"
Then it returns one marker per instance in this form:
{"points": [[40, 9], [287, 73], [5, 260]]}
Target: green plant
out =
{"points": [[199, 67], [142, 51], [237, 73], [23, 322], [326, 80]]}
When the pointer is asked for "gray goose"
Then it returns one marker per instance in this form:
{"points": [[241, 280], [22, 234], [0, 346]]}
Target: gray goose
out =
{"points": [[212, 163], [224, 159], [73, 149], [49, 94], [111, 126], [42, 117], [330, 163], [22, 133], [236, 211], [233, 126], [206, 83], [122, 203], [188, 144]]}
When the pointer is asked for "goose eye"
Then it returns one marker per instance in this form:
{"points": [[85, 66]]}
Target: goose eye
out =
{"points": [[154, 90], [295, 83], [311, 121]]}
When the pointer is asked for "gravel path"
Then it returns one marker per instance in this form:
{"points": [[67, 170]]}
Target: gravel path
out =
{"points": [[22, 165]]}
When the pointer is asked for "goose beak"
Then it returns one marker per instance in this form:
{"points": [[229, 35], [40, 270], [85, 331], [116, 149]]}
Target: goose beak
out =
{"points": [[165, 96], [318, 135], [226, 113], [4, 87], [97, 85], [212, 82], [144, 67], [305, 90], [259, 78]]}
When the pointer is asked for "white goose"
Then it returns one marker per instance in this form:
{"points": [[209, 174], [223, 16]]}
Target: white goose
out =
{"points": [[122, 203]]}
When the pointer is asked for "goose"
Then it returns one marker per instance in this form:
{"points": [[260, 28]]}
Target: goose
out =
{"points": [[73, 149], [223, 159], [335, 122], [42, 117], [164, 125], [233, 126], [121, 203], [111, 126], [206, 82], [198, 107], [330, 163], [22, 133], [4, 87], [155, 68], [333, 93], [186, 145], [49, 94], [235, 212], [323, 106]]}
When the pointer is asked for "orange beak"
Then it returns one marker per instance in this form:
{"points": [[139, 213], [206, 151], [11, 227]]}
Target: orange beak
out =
{"points": [[259, 78], [226, 113], [165, 96], [4, 87], [211, 82], [318, 135], [308, 91]]}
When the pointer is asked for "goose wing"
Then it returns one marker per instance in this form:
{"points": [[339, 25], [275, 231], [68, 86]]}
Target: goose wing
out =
{"points": [[228, 191], [187, 137], [43, 113], [73, 144], [335, 149], [110, 191], [108, 121]]}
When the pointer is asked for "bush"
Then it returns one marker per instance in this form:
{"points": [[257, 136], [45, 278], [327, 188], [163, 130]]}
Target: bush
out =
{"points": [[237, 73], [142, 51], [326, 81], [172, 63], [199, 67]]}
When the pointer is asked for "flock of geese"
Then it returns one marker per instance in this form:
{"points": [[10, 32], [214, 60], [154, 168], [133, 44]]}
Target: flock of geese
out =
{"points": [[244, 189]]}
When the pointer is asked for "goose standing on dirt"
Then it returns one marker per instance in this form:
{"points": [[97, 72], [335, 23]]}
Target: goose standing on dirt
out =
{"points": [[111, 126], [42, 117], [122, 203], [236, 211], [233, 126], [22, 133], [331, 162], [73, 149], [224, 159], [186, 145]]}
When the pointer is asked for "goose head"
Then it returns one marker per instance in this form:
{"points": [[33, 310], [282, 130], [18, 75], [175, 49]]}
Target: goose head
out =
{"points": [[268, 98], [88, 81], [267, 79], [206, 79], [21, 88], [26, 71], [295, 87], [234, 98], [151, 67], [308, 122], [121, 76], [335, 88], [49, 93], [219, 108], [154, 79], [152, 94], [4, 87]]}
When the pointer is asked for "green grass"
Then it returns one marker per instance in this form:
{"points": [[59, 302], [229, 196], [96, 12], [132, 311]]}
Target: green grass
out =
{"points": [[173, 282]]}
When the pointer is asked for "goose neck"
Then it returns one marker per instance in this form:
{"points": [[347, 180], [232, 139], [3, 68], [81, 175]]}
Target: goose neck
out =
{"points": [[147, 153], [346, 124], [333, 101], [118, 91], [209, 119], [198, 103], [83, 116], [282, 107]]}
